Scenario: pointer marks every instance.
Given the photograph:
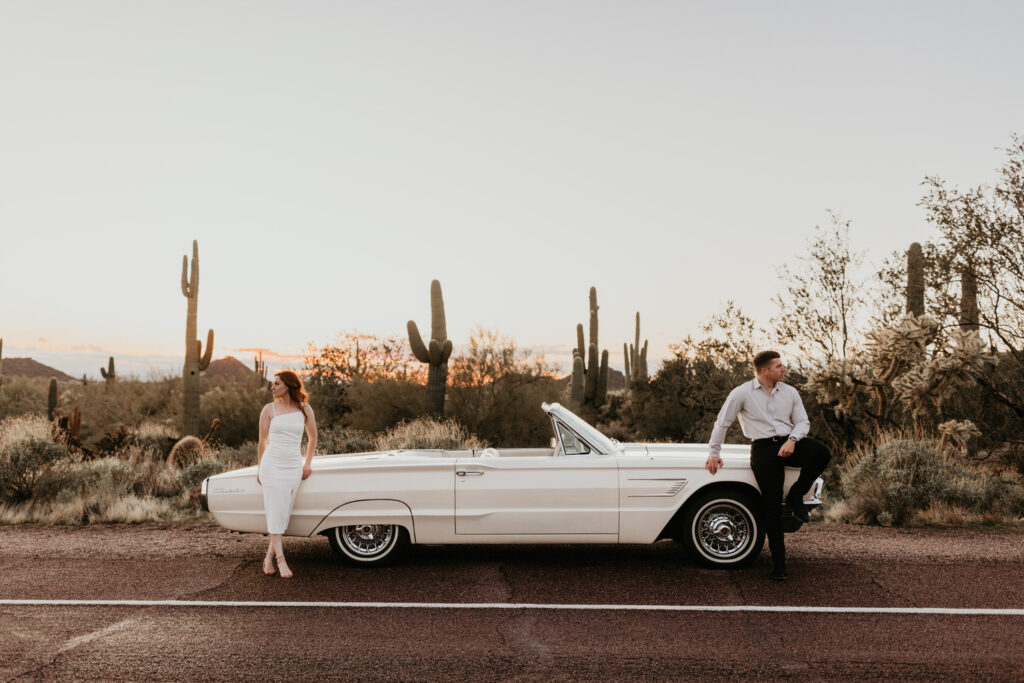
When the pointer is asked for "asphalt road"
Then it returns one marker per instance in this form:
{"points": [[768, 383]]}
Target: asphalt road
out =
{"points": [[830, 566]]}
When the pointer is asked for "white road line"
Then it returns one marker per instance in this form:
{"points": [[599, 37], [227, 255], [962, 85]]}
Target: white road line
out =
{"points": [[954, 611]]}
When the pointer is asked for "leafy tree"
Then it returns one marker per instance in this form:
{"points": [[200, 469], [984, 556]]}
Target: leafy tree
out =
{"points": [[823, 300], [496, 391]]}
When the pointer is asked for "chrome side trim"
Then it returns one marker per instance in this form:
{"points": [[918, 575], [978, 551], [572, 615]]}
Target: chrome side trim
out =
{"points": [[672, 490], [203, 502]]}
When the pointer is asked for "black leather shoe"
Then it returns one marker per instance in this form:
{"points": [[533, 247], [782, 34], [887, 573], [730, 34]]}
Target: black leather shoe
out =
{"points": [[777, 574], [799, 510]]}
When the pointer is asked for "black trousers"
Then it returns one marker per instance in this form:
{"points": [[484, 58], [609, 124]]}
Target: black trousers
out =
{"points": [[810, 455]]}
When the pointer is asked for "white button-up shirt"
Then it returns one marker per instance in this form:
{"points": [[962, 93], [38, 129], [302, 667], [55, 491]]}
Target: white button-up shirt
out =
{"points": [[762, 415]]}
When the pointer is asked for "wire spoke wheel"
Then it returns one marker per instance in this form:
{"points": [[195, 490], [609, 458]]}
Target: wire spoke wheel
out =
{"points": [[724, 531], [367, 540]]}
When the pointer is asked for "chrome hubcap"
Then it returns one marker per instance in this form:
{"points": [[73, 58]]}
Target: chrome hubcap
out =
{"points": [[367, 539], [723, 530]]}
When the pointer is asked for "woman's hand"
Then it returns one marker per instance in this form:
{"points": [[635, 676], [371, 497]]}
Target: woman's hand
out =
{"points": [[306, 470]]}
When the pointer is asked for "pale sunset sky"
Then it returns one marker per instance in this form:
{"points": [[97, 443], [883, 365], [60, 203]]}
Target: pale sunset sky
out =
{"points": [[333, 157]]}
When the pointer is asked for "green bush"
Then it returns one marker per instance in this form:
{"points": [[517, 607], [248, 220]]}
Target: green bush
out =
{"points": [[21, 463], [902, 478], [194, 474]]}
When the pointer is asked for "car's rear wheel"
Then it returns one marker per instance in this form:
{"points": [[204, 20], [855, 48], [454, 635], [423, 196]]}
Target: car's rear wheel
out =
{"points": [[368, 545], [722, 529]]}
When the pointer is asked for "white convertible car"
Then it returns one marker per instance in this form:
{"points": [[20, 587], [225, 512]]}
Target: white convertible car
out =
{"points": [[585, 488]]}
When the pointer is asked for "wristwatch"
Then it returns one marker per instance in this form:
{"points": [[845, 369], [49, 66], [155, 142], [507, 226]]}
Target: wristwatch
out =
{"points": [[793, 438]]}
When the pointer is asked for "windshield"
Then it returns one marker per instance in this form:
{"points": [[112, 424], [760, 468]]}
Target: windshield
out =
{"points": [[596, 439]]}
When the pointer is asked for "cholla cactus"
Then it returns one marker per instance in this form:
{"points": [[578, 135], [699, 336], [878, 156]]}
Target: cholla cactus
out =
{"points": [[437, 353], [957, 435]]}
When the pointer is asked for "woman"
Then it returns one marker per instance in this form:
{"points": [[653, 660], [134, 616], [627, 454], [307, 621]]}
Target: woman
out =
{"points": [[279, 466]]}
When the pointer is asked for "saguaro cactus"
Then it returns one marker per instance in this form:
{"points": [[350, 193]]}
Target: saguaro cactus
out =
{"points": [[636, 358], [968, 299], [915, 280], [259, 367], [108, 373], [51, 399], [195, 359], [595, 375], [437, 353]]}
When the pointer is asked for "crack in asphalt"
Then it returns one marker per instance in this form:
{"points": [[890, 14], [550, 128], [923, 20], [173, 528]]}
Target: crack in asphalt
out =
{"points": [[506, 577]]}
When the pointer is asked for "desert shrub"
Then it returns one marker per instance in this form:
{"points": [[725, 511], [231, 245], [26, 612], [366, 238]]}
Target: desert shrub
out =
{"points": [[496, 390], [114, 441], [21, 463], [376, 406], [155, 440], [23, 396], [187, 450], [237, 404], [425, 432], [241, 455], [194, 474], [901, 478], [341, 440]]}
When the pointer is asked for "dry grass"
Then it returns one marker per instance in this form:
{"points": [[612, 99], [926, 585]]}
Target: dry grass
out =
{"points": [[425, 432]]}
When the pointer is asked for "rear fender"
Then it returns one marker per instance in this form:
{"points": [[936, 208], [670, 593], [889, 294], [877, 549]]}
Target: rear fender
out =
{"points": [[382, 511]]}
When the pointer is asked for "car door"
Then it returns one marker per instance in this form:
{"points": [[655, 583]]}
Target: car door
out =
{"points": [[574, 491]]}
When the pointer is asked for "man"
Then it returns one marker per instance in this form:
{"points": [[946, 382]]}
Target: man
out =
{"points": [[772, 415]]}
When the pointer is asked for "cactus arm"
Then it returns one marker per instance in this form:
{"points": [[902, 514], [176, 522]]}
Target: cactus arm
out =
{"points": [[581, 346], [636, 341], [204, 361], [434, 352], [419, 349], [438, 329], [625, 356], [591, 378], [576, 388], [446, 350], [593, 316], [643, 361], [103, 373], [184, 276], [602, 379]]}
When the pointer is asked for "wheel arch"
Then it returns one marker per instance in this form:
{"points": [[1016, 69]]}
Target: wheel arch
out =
{"points": [[369, 511], [680, 513]]}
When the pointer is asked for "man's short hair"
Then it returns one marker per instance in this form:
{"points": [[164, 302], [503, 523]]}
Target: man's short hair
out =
{"points": [[762, 359]]}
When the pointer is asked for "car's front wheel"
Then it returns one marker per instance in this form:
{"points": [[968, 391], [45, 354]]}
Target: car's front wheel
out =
{"points": [[368, 545], [721, 528]]}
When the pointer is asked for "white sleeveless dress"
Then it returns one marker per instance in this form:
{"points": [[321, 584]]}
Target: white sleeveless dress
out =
{"points": [[281, 468]]}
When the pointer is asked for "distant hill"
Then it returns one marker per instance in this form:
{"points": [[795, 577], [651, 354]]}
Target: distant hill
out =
{"points": [[228, 366], [616, 380], [26, 367]]}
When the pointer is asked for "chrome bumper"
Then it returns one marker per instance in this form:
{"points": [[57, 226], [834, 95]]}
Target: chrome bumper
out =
{"points": [[202, 495]]}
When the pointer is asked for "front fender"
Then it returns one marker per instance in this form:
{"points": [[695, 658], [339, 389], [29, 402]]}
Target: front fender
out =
{"points": [[382, 511]]}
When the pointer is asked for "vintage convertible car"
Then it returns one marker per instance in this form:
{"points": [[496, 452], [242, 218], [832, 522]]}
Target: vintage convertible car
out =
{"points": [[585, 488]]}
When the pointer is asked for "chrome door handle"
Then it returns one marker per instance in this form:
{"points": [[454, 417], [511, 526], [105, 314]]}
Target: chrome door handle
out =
{"points": [[469, 473]]}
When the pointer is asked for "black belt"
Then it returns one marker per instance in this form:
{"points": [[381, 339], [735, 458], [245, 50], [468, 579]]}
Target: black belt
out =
{"points": [[770, 439]]}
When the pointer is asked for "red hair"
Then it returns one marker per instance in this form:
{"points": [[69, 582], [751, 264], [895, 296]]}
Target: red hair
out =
{"points": [[296, 391]]}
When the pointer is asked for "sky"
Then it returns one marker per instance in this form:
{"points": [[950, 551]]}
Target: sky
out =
{"points": [[332, 158]]}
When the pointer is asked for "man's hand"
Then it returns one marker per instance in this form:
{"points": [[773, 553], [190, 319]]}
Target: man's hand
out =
{"points": [[713, 464], [787, 448]]}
